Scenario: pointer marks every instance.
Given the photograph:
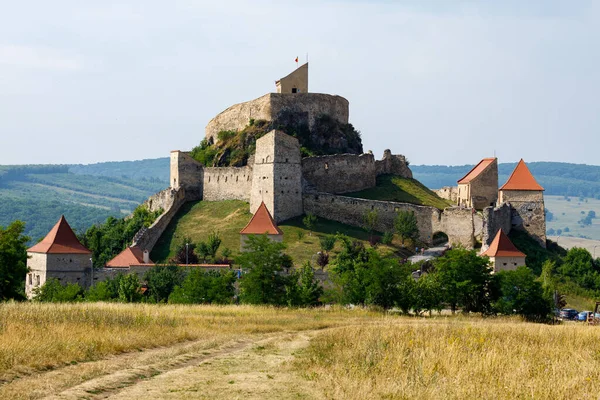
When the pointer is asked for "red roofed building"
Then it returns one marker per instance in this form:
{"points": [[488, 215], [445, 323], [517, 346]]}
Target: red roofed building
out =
{"points": [[503, 254], [131, 256], [479, 188], [59, 255], [261, 223], [526, 198]]}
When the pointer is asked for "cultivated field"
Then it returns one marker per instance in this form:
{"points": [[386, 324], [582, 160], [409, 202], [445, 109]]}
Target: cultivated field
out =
{"points": [[180, 352], [568, 213]]}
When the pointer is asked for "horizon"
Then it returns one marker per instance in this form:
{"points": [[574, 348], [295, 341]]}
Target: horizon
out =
{"points": [[471, 78]]}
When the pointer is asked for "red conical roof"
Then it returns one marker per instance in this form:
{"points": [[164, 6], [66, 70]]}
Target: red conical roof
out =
{"points": [[60, 240], [262, 222], [477, 170], [521, 179], [128, 257], [502, 247]]}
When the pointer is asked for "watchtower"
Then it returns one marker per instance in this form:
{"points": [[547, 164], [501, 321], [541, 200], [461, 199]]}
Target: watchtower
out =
{"points": [[526, 198], [59, 255], [277, 176]]}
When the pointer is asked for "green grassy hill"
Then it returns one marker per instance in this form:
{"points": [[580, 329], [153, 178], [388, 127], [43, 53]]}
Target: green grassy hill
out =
{"points": [[197, 220], [395, 188]]}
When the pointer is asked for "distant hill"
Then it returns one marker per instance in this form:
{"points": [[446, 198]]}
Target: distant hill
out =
{"points": [[85, 194], [561, 179]]}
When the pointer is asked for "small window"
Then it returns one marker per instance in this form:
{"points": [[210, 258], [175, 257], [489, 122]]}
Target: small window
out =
{"points": [[326, 165], [294, 90], [37, 280], [504, 264], [286, 160], [225, 179], [515, 264], [30, 279], [530, 209]]}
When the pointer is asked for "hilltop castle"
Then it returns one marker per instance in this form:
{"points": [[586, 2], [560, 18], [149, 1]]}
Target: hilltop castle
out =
{"points": [[278, 178]]}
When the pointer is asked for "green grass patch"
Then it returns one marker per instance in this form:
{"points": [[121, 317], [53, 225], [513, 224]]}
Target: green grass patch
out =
{"points": [[402, 190], [198, 219]]}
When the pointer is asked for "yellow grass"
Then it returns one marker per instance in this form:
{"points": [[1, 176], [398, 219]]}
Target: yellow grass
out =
{"points": [[127, 349], [455, 359], [36, 336]]}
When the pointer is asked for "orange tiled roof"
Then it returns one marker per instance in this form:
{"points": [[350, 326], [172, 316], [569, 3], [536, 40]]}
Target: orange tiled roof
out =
{"points": [[262, 222], [478, 169], [521, 179], [128, 257], [502, 247], [60, 240]]}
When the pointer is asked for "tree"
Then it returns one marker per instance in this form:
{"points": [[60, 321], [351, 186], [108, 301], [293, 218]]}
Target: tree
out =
{"points": [[327, 242], [264, 260], [130, 289], [161, 280], [406, 225], [309, 222], [13, 261], [370, 220], [208, 250], [186, 252], [466, 280], [522, 294], [205, 287], [428, 293], [309, 288]]}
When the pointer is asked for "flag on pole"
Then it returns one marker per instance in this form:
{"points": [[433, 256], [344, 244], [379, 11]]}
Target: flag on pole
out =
{"points": [[296, 59]]}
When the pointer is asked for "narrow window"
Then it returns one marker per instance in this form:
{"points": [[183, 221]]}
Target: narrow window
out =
{"points": [[326, 165], [38, 280], [30, 279]]}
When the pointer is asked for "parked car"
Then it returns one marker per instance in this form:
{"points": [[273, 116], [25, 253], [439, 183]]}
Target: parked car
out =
{"points": [[568, 314], [583, 316]]}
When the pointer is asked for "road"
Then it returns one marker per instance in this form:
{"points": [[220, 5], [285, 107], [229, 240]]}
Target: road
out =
{"points": [[429, 253]]}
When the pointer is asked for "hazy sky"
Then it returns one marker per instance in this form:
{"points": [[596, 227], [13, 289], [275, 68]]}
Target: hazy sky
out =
{"points": [[441, 82]]}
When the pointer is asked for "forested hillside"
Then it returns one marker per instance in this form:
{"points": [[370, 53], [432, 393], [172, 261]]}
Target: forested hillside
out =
{"points": [[561, 179], [85, 194]]}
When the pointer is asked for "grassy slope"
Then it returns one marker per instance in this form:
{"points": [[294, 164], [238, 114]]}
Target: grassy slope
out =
{"points": [[395, 188], [198, 220]]}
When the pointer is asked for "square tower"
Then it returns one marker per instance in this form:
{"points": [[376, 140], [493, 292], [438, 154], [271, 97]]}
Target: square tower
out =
{"points": [[526, 199], [277, 176], [59, 255]]}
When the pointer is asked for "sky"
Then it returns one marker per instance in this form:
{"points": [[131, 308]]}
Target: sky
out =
{"points": [[442, 82]]}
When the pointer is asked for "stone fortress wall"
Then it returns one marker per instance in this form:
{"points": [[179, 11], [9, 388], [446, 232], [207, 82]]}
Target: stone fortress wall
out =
{"points": [[270, 106]]}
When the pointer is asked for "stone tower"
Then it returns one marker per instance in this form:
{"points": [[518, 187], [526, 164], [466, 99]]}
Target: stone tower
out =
{"points": [[526, 198], [479, 187], [59, 255], [277, 176], [295, 82]]}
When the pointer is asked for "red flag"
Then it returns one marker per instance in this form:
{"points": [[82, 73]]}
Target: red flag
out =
{"points": [[296, 59]]}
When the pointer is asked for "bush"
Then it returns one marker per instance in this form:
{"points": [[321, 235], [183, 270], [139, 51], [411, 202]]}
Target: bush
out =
{"points": [[522, 294], [387, 238], [200, 287], [53, 292]]}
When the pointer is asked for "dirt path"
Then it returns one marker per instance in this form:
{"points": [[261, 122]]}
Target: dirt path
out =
{"points": [[250, 367]]}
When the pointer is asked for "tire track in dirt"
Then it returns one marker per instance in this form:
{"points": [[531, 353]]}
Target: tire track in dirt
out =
{"points": [[112, 383]]}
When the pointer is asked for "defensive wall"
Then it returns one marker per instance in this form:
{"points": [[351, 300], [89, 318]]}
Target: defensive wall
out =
{"points": [[273, 105], [226, 183], [345, 173], [170, 200], [456, 222]]}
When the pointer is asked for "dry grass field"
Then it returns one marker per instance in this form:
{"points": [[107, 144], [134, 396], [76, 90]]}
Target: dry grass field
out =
{"points": [[180, 352]]}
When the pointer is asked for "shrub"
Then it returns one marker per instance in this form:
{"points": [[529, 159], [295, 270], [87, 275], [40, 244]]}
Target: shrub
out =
{"points": [[53, 292]]}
